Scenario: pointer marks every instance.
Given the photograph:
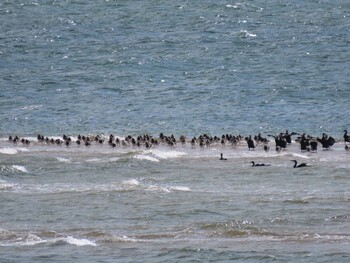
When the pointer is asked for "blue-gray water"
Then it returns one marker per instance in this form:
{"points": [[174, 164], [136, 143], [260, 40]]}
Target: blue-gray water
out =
{"points": [[182, 68]]}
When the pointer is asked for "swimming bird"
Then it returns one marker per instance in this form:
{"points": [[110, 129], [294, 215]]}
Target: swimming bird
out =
{"points": [[222, 158], [258, 164], [296, 165]]}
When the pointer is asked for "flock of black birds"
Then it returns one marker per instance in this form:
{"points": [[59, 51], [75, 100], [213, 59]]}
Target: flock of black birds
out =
{"points": [[307, 143]]}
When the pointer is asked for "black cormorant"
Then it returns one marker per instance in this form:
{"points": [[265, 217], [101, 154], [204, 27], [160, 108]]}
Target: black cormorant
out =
{"points": [[258, 164], [222, 158], [296, 165]]}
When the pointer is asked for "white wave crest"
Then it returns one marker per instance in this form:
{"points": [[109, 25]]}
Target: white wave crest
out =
{"points": [[31, 107], [11, 151], [5, 185], [79, 242], [166, 154], [32, 240], [167, 189], [180, 188], [132, 182], [20, 168], [63, 160], [8, 151], [300, 155], [146, 157], [100, 160]]}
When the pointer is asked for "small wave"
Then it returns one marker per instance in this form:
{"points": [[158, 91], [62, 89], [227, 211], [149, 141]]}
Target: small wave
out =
{"points": [[300, 155], [20, 168], [120, 239], [131, 182], [316, 236], [146, 157], [28, 240], [32, 240], [6, 186], [31, 107], [63, 160], [79, 242], [8, 151], [180, 188], [100, 160], [246, 34], [234, 229], [12, 151], [339, 218], [166, 154], [296, 201], [232, 6]]}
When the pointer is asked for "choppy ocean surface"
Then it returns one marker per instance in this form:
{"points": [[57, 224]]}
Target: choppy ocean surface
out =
{"points": [[183, 68]]}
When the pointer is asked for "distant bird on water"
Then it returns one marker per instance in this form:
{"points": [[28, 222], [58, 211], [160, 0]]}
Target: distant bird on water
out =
{"points": [[296, 165], [258, 164], [222, 157]]}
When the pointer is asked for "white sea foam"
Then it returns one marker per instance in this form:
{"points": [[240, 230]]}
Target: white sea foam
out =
{"points": [[300, 155], [166, 154], [32, 240], [8, 151], [167, 189], [63, 160], [146, 157], [79, 242], [20, 168], [180, 188], [11, 151], [6, 186], [132, 182], [102, 160], [28, 240], [122, 239], [31, 107], [246, 34]]}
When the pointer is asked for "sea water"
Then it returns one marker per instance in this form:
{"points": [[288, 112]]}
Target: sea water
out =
{"points": [[183, 68]]}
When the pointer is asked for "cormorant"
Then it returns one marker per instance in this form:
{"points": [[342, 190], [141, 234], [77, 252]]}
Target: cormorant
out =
{"points": [[288, 136], [296, 165], [258, 164], [280, 141], [313, 145], [346, 136], [250, 142], [222, 158], [326, 141], [266, 148]]}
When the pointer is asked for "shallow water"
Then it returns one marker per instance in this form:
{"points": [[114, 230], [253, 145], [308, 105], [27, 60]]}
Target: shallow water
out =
{"points": [[136, 67], [169, 204]]}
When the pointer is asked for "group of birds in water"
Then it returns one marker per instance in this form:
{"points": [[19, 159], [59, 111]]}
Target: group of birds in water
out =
{"points": [[307, 143]]}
